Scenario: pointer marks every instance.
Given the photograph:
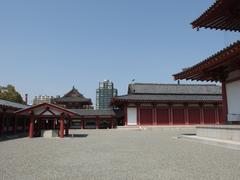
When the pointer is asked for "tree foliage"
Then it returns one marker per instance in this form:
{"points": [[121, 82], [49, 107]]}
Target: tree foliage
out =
{"points": [[9, 93]]}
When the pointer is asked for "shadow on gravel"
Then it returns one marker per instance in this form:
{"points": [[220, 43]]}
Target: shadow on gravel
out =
{"points": [[189, 134], [78, 135], [8, 137]]}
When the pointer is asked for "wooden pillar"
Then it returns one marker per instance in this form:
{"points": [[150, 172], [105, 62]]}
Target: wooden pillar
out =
{"points": [[225, 104], [170, 112], [125, 114], [61, 130], [201, 114], [186, 114], [154, 114], [138, 114], [31, 126], [217, 120]]}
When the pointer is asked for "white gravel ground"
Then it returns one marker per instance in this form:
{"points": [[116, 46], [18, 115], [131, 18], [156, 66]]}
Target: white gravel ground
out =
{"points": [[117, 155]]}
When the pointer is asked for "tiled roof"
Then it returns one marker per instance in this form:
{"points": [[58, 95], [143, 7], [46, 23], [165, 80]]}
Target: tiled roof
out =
{"points": [[221, 58], [164, 89], [167, 98], [72, 99], [93, 112], [223, 15], [73, 96], [9, 104]]}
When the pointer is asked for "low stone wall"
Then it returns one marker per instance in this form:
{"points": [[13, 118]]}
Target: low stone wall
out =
{"points": [[225, 132], [49, 133]]}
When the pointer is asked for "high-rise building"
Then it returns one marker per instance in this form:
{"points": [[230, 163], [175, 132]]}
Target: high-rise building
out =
{"points": [[42, 99], [104, 94]]}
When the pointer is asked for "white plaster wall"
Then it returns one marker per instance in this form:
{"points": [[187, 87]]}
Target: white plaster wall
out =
{"points": [[233, 100], [132, 116]]}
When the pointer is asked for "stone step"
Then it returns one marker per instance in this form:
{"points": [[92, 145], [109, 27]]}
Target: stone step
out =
{"points": [[129, 127]]}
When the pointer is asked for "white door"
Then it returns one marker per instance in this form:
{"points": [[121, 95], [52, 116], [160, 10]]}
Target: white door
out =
{"points": [[233, 100], [132, 116]]}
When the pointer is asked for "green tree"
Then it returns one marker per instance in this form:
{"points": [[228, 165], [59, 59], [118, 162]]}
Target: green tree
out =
{"points": [[9, 93]]}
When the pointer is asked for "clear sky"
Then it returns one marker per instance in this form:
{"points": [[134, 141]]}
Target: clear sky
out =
{"points": [[48, 46]]}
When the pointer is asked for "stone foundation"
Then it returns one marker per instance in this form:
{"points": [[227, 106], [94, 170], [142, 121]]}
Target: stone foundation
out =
{"points": [[224, 132]]}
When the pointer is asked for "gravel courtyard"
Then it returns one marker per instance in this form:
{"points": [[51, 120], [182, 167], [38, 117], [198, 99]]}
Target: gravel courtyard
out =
{"points": [[117, 155]]}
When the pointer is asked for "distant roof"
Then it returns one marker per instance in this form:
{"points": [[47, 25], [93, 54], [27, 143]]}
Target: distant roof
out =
{"points": [[9, 104], [223, 15], [215, 66], [187, 89], [73, 96], [93, 112], [147, 92], [168, 98]]}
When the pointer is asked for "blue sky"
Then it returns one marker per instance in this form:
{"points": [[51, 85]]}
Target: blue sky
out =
{"points": [[48, 46]]}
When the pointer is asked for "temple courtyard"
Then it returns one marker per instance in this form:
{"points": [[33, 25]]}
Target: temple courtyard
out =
{"points": [[154, 153]]}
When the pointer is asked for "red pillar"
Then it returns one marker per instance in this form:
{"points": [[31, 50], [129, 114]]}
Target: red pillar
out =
{"points": [[225, 104], [216, 115], [201, 114], [170, 114], [31, 126], [154, 113], [125, 115], [61, 131], [186, 114], [138, 115]]}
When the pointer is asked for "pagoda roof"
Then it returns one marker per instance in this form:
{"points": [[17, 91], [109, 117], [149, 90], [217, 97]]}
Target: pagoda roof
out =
{"points": [[223, 15], [73, 96], [214, 67]]}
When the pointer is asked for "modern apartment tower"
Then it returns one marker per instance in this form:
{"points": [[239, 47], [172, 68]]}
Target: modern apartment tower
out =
{"points": [[104, 94]]}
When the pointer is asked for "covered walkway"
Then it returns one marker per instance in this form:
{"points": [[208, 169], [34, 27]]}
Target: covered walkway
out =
{"points": [[45, 117]]}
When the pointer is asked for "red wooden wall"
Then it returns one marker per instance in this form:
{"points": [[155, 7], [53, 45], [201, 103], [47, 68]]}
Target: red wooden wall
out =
{"points": [[146, 116], [178, 116], [162, 116], [194, 115], [209, 116]]}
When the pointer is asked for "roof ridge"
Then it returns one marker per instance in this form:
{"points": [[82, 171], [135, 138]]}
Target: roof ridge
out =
{"points": [[166, 84]]}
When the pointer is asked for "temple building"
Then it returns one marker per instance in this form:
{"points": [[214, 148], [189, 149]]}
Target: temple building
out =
{"points": [[9, 123], [224, 66], [74, 100], [170, 104]]}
